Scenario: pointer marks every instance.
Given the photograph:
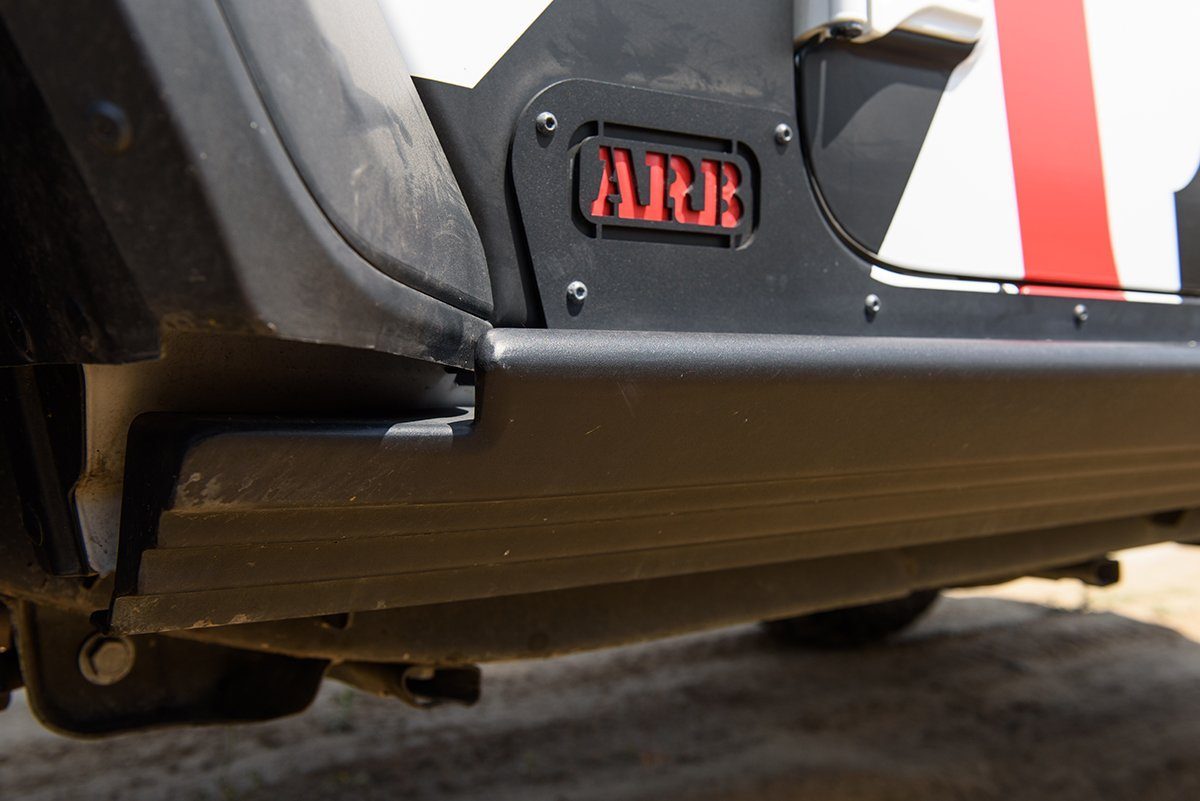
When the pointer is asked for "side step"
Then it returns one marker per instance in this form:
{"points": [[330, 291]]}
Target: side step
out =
{"points": [[605, 457], [557, 622]]}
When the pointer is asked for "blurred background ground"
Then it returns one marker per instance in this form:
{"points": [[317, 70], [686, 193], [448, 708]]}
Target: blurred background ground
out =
{"points": [[1032, 690]]}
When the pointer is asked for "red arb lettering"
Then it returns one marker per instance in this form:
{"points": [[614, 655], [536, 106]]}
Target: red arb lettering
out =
{"points": [[719, 183]]}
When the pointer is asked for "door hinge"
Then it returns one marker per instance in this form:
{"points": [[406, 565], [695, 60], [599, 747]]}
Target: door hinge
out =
{"points": [[864, 20]]}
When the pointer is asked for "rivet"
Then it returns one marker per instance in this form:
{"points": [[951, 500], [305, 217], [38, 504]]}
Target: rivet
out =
{"points": [[1081, 313]]}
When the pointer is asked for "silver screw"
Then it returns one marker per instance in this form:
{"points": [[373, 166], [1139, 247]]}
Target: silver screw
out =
{"points": [[872, 304], [1081, 313], [577, 291], [547, 123], [105, 659], [783, 133]]}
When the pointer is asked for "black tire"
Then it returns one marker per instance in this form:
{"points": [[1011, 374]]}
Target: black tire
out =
{"points": [[853, 626]]}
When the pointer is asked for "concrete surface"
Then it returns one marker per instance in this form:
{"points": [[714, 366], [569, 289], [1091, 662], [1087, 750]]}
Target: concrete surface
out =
{"points": [[1034, 690]]}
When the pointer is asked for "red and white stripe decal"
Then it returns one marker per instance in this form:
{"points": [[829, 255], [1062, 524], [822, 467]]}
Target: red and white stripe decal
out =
{"points": [[1055, 153]]}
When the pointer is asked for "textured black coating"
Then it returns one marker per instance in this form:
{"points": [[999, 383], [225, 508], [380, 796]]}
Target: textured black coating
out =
{"points": [[601, 457], [541, 624], [710, 49]]}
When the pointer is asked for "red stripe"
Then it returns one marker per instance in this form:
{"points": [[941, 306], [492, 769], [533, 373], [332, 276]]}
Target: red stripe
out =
{"points": [[1055, 142]]}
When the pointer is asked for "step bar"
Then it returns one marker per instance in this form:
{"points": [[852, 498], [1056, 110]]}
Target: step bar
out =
{"points": [[600, 458]]}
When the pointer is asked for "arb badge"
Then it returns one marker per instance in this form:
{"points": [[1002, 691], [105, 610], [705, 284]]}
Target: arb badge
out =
{"points": [[702, 195]]}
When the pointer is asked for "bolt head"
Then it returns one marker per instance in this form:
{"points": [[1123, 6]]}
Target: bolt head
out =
{"points": [[783, 133], [1081, 313], [547, 123], [872, 304], [105, 660], [577, 292]]}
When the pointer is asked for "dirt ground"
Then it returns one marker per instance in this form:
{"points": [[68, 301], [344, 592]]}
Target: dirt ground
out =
{"points": [[1034, 690]]}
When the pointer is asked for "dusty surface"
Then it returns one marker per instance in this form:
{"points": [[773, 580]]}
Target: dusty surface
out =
{"points": [[1035, 690]]}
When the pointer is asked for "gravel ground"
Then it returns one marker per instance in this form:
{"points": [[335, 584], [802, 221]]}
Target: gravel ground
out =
{"points": [[1034, 690]]}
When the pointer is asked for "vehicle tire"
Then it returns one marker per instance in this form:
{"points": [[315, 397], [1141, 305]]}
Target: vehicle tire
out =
{"points": [[853, 626]]}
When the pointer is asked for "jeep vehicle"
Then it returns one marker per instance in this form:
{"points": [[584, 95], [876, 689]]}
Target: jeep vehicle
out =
{"points": [[380, 339]]}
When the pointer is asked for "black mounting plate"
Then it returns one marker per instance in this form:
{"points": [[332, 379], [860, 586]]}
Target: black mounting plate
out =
{"points": [[792, 274], [647, 282]]}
